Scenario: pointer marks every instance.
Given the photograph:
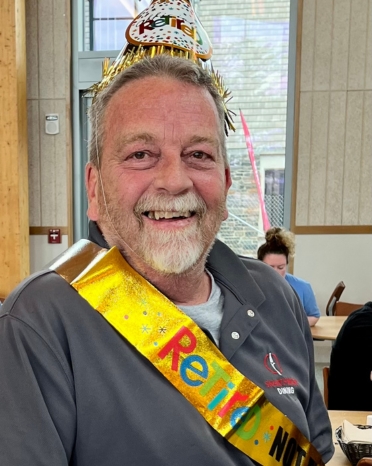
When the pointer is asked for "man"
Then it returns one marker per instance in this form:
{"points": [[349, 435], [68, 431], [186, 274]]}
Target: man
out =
{"points": [[74, 391]]}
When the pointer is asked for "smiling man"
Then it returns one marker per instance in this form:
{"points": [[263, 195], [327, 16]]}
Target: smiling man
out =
{"points": [[153, 343], [157, 187]]}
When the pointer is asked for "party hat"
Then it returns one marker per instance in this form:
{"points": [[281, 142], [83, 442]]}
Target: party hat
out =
{"points": [[166, 26]]}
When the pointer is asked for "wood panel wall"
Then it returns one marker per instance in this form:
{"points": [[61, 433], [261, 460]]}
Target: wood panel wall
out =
{"points": [[333, 146], [14, 224], [48, 28]]}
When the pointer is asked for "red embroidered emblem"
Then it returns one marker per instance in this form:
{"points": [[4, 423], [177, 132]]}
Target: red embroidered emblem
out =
{"points": [[272, 364]]}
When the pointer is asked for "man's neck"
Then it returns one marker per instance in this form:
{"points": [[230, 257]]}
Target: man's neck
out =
{"points": [[187, 291]]}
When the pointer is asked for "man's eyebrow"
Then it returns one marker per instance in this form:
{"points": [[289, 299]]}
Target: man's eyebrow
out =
{"points": [[129, 138], [214, 141]]}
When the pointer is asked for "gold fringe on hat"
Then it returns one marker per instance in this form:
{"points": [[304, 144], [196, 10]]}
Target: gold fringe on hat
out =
{"points": [[151, 46]]}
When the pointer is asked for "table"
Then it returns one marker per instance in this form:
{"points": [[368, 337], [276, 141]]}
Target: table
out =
{"points": [[336, 417], [327, 327]]}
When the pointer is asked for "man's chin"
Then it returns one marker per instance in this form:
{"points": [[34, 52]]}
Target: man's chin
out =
{"points": [[174, 261], [172, 270]]}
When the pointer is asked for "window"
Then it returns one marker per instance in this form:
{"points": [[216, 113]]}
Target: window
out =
{"points": [[274, 196], [250, 42], [108, 21]]}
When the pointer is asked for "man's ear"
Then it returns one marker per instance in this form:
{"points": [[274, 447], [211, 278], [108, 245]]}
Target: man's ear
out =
{"points": [[92, 186], [228, 183], [228, 179]]}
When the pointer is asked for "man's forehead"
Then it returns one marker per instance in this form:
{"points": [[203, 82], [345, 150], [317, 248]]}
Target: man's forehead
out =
{"points": [[144, 90], [153, 100], [161, 98]]}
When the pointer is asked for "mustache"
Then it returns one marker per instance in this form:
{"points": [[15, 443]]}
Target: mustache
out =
{"points": [[166, 203]]}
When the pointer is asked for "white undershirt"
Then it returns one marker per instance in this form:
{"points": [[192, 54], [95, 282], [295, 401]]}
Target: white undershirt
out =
{"points": [[208, 315]]}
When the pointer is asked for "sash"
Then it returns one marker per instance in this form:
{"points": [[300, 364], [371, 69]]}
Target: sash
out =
{"points": [[233, 405]]}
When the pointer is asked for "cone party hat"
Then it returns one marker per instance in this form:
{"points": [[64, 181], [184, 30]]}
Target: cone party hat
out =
{"points": [[166, 26]]}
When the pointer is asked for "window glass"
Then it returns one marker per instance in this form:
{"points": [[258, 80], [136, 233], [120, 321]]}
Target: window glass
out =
{"points": [[108, 9], [250, 42], [274, 195], [107, 21]]}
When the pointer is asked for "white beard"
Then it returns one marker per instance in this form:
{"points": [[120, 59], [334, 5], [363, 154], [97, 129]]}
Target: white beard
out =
{"points": [[167, 252], [172, 252]]}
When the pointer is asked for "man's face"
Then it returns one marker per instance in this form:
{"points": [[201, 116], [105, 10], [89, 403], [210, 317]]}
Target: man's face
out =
{"points": [[278, 262], [163, 176]]}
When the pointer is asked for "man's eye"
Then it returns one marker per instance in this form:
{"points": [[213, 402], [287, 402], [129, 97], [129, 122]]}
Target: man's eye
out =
{"points": [[199, 155], [139, 155]]}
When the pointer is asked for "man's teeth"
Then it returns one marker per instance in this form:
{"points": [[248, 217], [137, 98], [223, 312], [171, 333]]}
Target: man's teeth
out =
{"points": [[157, 215]]}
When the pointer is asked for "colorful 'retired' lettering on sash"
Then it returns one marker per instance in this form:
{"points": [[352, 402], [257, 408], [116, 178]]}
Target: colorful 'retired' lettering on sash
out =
{"points": [[233, 405]]}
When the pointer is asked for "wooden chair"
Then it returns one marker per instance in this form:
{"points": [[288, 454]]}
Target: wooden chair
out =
{"points": [[325, 385], [342, 308], [335, 307], [335, 296]]}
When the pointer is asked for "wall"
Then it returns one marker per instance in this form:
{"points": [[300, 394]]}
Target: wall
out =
{"points": [[332, 204], [335, 114], [324, 260], [14, 246], [333, 189], [48, 91]]}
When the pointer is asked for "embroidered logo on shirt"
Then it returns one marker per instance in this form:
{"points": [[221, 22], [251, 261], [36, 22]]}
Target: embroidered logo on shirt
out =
{"points": [[272, 364], [284, 386]]}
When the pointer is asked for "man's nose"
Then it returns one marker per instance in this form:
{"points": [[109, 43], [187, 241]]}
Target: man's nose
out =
{"points": [[173, 176]]}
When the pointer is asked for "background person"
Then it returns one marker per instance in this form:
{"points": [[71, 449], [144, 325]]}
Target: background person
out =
{"points": [[278, 247], [351, 351]]}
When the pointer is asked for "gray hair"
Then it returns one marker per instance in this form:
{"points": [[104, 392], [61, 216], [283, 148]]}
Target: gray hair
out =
{"points": [[160, 66]]}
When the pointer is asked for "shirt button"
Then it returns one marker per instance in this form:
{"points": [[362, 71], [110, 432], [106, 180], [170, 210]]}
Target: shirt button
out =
{"points": [[250, 313], [235, 335]]}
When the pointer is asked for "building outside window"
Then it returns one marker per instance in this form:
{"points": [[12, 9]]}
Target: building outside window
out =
{"points": [[274, 195]]}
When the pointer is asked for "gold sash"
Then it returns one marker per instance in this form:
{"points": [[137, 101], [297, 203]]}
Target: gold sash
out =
{"points": [[233, 405]]}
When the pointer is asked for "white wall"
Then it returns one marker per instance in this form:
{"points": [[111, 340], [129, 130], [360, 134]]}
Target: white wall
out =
{"points": [[41, 252], [324, 260], [334, 157]]}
